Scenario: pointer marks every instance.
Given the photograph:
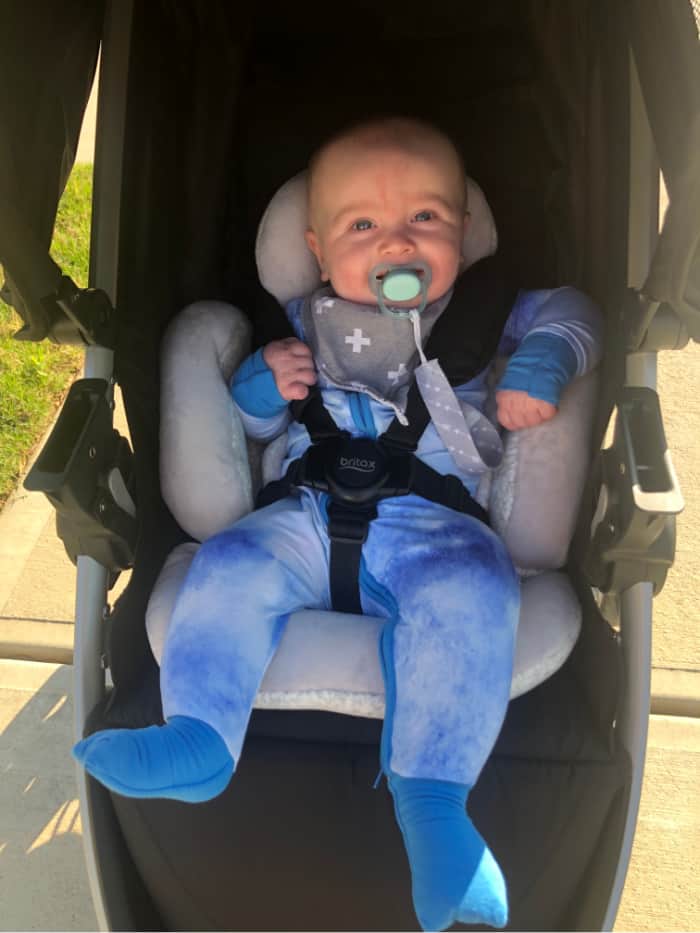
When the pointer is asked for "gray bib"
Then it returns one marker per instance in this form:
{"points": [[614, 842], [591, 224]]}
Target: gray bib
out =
{"points": [[359, 349]]}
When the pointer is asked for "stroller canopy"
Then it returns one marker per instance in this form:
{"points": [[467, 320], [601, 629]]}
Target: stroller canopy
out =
{"points": [[195, 55]]}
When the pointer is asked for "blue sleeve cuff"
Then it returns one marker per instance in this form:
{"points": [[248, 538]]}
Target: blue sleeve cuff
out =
{"points": [[541, 366], [254, 389]]}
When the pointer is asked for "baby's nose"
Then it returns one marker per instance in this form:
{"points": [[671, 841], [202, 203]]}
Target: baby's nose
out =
{"points": [[396, 243]]}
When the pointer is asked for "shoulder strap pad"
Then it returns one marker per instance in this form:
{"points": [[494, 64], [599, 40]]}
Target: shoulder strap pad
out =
{"points": [[466, 335]]}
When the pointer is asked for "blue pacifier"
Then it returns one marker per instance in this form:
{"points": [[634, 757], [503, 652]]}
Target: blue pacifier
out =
{"points": [[397, 283]]}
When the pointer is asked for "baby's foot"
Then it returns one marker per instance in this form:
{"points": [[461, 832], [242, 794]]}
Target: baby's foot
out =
{"points": [[183, 760], [455, 876]]}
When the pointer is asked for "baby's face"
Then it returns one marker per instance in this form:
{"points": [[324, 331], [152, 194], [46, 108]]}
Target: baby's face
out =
{"points": [[383, 203]]}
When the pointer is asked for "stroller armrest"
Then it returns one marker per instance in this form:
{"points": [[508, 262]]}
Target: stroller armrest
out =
{"points": [[536, 491]]}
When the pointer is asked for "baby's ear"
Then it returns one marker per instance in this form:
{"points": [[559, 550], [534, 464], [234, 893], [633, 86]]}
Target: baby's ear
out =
{"points": [[312, 243], [465, 223], [315, 247], [465, 226]]}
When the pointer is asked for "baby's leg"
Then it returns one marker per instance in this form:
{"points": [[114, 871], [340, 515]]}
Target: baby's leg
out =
{"points": [[228, 619], [451, 596]]}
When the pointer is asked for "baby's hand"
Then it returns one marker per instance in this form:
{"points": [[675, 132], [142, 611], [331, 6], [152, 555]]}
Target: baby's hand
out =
{"points": [[292, 366], [517, 409]]}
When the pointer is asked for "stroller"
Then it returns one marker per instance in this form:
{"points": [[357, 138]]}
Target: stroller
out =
{"points": [[565, 112]]}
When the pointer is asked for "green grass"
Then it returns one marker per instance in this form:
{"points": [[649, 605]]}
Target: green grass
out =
{"points": [[34, 377]]}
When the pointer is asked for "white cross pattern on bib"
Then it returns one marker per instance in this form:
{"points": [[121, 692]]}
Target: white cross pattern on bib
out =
{"points": [[357, 340], [396, 374]]}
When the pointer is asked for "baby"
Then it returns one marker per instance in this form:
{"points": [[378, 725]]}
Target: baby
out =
{"points": [[382, 195]]}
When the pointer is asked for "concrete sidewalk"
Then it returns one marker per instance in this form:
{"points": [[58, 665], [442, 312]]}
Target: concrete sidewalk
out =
{"points": [[43, 884]]}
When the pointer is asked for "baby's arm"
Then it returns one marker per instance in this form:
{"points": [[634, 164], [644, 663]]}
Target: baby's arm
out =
{"points": [[267, 381], [563, 341]]}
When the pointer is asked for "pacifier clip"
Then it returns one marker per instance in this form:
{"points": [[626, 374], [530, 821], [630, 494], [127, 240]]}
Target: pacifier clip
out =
{"points": [[471, 439]]}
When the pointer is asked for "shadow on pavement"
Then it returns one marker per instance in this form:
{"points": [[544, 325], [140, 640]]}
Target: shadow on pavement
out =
{"points": [[43, 883]]}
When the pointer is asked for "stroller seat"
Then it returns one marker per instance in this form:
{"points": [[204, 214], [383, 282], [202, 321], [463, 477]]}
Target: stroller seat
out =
{"points": [[327, 660]]}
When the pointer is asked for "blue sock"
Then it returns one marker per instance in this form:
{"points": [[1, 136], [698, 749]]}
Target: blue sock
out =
{"points": [[183, 760], [455, 876]]}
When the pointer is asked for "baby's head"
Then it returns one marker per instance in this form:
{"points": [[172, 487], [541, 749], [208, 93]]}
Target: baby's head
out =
{"points": [[390, 191]]}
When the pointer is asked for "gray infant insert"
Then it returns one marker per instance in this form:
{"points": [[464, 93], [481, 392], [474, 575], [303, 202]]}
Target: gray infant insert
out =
{"points": [[329, 661]]}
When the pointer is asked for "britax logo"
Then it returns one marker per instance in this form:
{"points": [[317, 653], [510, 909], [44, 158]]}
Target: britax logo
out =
{"points": [[358, 463]]}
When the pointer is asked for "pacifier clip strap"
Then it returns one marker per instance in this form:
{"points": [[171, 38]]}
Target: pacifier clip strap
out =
{"points": [[472, 441]]}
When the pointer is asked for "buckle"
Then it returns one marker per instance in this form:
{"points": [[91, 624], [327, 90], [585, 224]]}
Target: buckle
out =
{"points": [[357, 470]]}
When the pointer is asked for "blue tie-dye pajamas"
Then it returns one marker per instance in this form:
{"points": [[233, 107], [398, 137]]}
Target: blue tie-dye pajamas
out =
{"points": [[443, 581]]}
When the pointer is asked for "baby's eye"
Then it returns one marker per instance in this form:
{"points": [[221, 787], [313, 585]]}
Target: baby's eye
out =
{"points": [[423, 215], [362, 225]]}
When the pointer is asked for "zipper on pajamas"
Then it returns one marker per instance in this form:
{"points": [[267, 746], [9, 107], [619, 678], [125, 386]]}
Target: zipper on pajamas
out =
{"points": [[361, 412], [382, 596]]}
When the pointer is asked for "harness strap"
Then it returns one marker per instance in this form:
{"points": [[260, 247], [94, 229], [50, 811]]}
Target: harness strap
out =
{"points": [[312, 413], [445, 490], [466, 335], [347, 530], [348, 524], [405, 437]]}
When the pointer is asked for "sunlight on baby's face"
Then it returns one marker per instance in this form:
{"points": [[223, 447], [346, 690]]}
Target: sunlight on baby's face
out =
{"points": [[380, 201]]}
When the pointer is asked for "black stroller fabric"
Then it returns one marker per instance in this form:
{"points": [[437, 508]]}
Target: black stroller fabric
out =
{"points": [[48, 54], [224, 104]]}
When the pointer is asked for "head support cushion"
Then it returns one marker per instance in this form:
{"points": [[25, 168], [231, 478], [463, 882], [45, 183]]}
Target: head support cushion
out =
{"points": [[287, 267], [204, 472]]}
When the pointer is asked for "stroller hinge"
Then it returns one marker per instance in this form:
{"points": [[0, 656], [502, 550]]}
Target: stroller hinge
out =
{"points": [[651, 325], [637, 496], [67, 314], [90, 312]]}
